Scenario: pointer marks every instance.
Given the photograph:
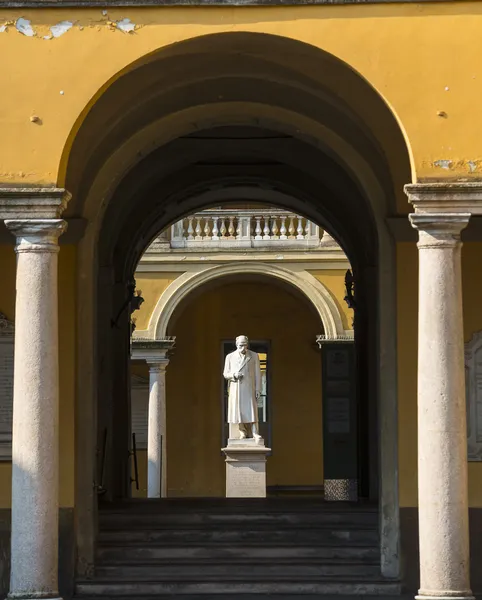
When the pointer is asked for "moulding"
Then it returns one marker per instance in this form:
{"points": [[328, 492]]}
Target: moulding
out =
{"points": [[446, 197], [73, 234], [204, 3], [32, 203], [183, 285], [347, 337], [152, 351]]}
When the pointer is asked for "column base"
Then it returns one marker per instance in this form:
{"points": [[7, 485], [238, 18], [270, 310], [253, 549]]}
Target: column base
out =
{"points": [[449, 595], [34, 596]]}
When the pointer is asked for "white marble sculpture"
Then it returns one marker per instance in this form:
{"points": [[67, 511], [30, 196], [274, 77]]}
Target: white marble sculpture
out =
{"points": [[243, 372]]}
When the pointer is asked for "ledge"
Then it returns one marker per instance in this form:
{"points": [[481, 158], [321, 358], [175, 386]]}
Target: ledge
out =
{"points": [[32, 203], [204, 3]]}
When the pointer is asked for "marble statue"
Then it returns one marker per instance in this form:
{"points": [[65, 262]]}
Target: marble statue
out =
{"points": [[243, 372]]}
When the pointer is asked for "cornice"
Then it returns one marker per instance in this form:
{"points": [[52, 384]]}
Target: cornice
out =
{"points": [[33, 202], [446, 197], [199, 3]]}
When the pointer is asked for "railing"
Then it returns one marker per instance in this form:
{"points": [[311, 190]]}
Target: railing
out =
{"points": [[232, 229]]}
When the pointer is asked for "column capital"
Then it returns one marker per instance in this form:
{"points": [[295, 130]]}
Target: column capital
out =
{"points": [[439, 230], [152, 351], [32, 203], [37, 235], [446, 197], [157, 365]]}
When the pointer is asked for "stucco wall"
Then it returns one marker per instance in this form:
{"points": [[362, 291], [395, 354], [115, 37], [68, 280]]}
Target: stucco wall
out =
{"points": [[438, 124]]}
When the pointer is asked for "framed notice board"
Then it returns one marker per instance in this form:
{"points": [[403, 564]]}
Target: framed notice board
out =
{"points": [[339, 420]]}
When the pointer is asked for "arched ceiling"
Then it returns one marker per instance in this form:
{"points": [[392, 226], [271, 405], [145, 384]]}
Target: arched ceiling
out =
{"points": [[235, 111]]}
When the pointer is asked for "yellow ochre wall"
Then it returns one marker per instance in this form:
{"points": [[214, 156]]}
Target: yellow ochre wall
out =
{"points": [[334, 282], [151, 285], [194, 384], [407, 266], [406, 48], [67, 270]]}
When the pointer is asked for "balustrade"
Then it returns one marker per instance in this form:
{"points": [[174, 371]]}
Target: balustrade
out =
{"points": [[228, 228]]}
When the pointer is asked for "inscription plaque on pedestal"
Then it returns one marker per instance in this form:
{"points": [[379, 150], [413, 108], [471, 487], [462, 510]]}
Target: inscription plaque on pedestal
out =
{"points": [[245, 469]]}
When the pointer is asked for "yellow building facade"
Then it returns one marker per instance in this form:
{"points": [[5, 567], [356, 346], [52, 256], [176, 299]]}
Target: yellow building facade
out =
{"points": [[119, 120]]}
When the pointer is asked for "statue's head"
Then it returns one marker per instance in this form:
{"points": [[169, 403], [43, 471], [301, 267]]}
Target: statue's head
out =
{"points": [[242, 343]]}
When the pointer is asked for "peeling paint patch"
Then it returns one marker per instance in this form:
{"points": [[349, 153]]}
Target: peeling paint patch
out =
{"points": [[125, 25], [23, 26], [60, 28], [472, 166], [3, 28], [443, 164]]}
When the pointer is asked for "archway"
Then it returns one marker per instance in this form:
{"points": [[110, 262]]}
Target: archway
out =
{"points": [[180, 289], [185, 126]]}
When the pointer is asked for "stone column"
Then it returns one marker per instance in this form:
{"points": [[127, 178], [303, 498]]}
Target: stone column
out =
{"points": [[156, 436], [35, 447], [442, 433]]}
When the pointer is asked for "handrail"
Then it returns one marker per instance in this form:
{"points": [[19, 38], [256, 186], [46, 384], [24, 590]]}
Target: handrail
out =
{"points": [[133, 453], [100, 487]]}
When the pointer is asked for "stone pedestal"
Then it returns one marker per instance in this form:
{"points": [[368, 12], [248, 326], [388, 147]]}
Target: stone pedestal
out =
{"points": [[246, 468]]}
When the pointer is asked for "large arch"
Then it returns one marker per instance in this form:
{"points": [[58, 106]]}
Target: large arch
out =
{"points": [[231, 111], [186, 283]]}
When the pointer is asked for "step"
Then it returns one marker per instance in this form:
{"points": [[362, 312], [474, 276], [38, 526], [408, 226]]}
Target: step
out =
{"points": [[266, 596], [210, 588], [142, 553], [162, 570], [113, 520], [240, 536]]}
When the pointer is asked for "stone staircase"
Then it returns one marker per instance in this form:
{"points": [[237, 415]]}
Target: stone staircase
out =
{"points": [[244, 549]]}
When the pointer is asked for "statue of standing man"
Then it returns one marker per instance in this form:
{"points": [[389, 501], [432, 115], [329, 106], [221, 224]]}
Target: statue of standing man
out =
{"points": [[242, 371]]}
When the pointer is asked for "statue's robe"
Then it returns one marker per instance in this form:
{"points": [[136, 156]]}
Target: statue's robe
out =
{"points": [[242, 403]]}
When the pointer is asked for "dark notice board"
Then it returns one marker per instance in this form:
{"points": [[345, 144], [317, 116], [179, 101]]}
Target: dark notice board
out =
{"points": [[339, 410]]}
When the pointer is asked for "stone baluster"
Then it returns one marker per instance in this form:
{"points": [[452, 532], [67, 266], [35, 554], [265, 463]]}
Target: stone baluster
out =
{"points": [[442, 433], [207, 229], [266, 229], [274, 229], [291, 228], [199, 237], [300, 229], [35, 445], [223, 228], [238, 228], [190, 229], [156, 442], [231, 229], [258, 231], [283, 229], [215, 237]]}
